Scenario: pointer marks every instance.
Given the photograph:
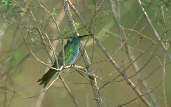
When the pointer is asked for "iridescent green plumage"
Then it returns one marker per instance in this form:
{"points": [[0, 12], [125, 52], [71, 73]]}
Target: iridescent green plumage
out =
{"points": [[71, 51]]}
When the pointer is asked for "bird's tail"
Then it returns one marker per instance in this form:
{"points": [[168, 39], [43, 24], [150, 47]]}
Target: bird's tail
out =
{"points": [[47, 77]]}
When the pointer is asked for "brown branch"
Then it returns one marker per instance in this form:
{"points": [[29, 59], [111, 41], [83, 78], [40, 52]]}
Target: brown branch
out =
{"points": [[130, 101], [51, 53], [156, 34], [53, 18], [129, 77], [69, 92], [93, 81], [131, 57], [118, 68], [163, 66]]}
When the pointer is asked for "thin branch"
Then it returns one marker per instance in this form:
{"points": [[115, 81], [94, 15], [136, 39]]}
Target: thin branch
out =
{"points": [[53, 18], [123, 74], [43, 91], [141, 34], [130, 101], [69, 92], [163, 66], [84, 71], [93, 81], [164, 60], [118, 68], [164, 82], [131, 56], [38, 59], [143, 83], [165, 47], [129, 77]]}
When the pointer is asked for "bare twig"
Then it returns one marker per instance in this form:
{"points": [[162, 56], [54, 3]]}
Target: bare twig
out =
{"points": [[123, 74], [164, 60], [129, 77], [69, 92], [93, 81], [38, 59], [130, 101], [164, 82], [54, 20], [84, 71], [43, 90], [118, 68], [141, 34], [124, 41], [156, 34], [143, 83], [163, 66]]}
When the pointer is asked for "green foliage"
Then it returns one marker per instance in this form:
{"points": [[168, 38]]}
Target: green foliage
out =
{"points": [[6, 2], [146, 3], [54, 12], [77, 25]]}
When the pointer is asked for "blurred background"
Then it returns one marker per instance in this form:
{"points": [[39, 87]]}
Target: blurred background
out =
{"points": [[27, 27]]}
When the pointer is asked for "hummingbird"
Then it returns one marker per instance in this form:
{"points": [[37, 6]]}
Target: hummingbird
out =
{"points": [[71, 52]]}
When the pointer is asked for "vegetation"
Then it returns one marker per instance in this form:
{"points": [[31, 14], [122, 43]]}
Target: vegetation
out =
{"points": [[124, 62]]}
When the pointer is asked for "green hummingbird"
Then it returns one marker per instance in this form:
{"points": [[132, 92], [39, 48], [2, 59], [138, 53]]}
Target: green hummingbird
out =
{"points": [[71, 52]]}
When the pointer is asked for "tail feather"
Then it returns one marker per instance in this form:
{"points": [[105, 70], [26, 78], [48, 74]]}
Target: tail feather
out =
{"points": [[47, 77]]}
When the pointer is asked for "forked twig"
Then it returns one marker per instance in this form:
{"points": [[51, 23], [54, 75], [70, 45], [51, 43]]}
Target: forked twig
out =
{"points": [[131, 58], [118, 68], [156, 34], [93, 81]]}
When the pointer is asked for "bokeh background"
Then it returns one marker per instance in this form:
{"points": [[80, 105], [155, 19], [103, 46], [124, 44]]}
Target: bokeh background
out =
{"points": [[19, 70]]}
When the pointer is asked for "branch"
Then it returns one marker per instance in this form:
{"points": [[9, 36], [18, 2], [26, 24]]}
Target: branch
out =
{"points": [[131, 58], [118, 68], [93, 81], [69, 92], [51, 53], [156, 34]]}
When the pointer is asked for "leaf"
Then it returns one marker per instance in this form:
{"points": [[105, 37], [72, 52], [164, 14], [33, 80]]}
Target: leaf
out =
{"points": [[6, 2], [54, 12], [77, 25]]}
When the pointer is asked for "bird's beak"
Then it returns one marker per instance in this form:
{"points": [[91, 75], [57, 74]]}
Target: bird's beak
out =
{"points": [[80, 37]]}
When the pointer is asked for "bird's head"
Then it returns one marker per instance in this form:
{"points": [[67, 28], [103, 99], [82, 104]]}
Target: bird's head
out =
{"points": [[75, 39]]}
